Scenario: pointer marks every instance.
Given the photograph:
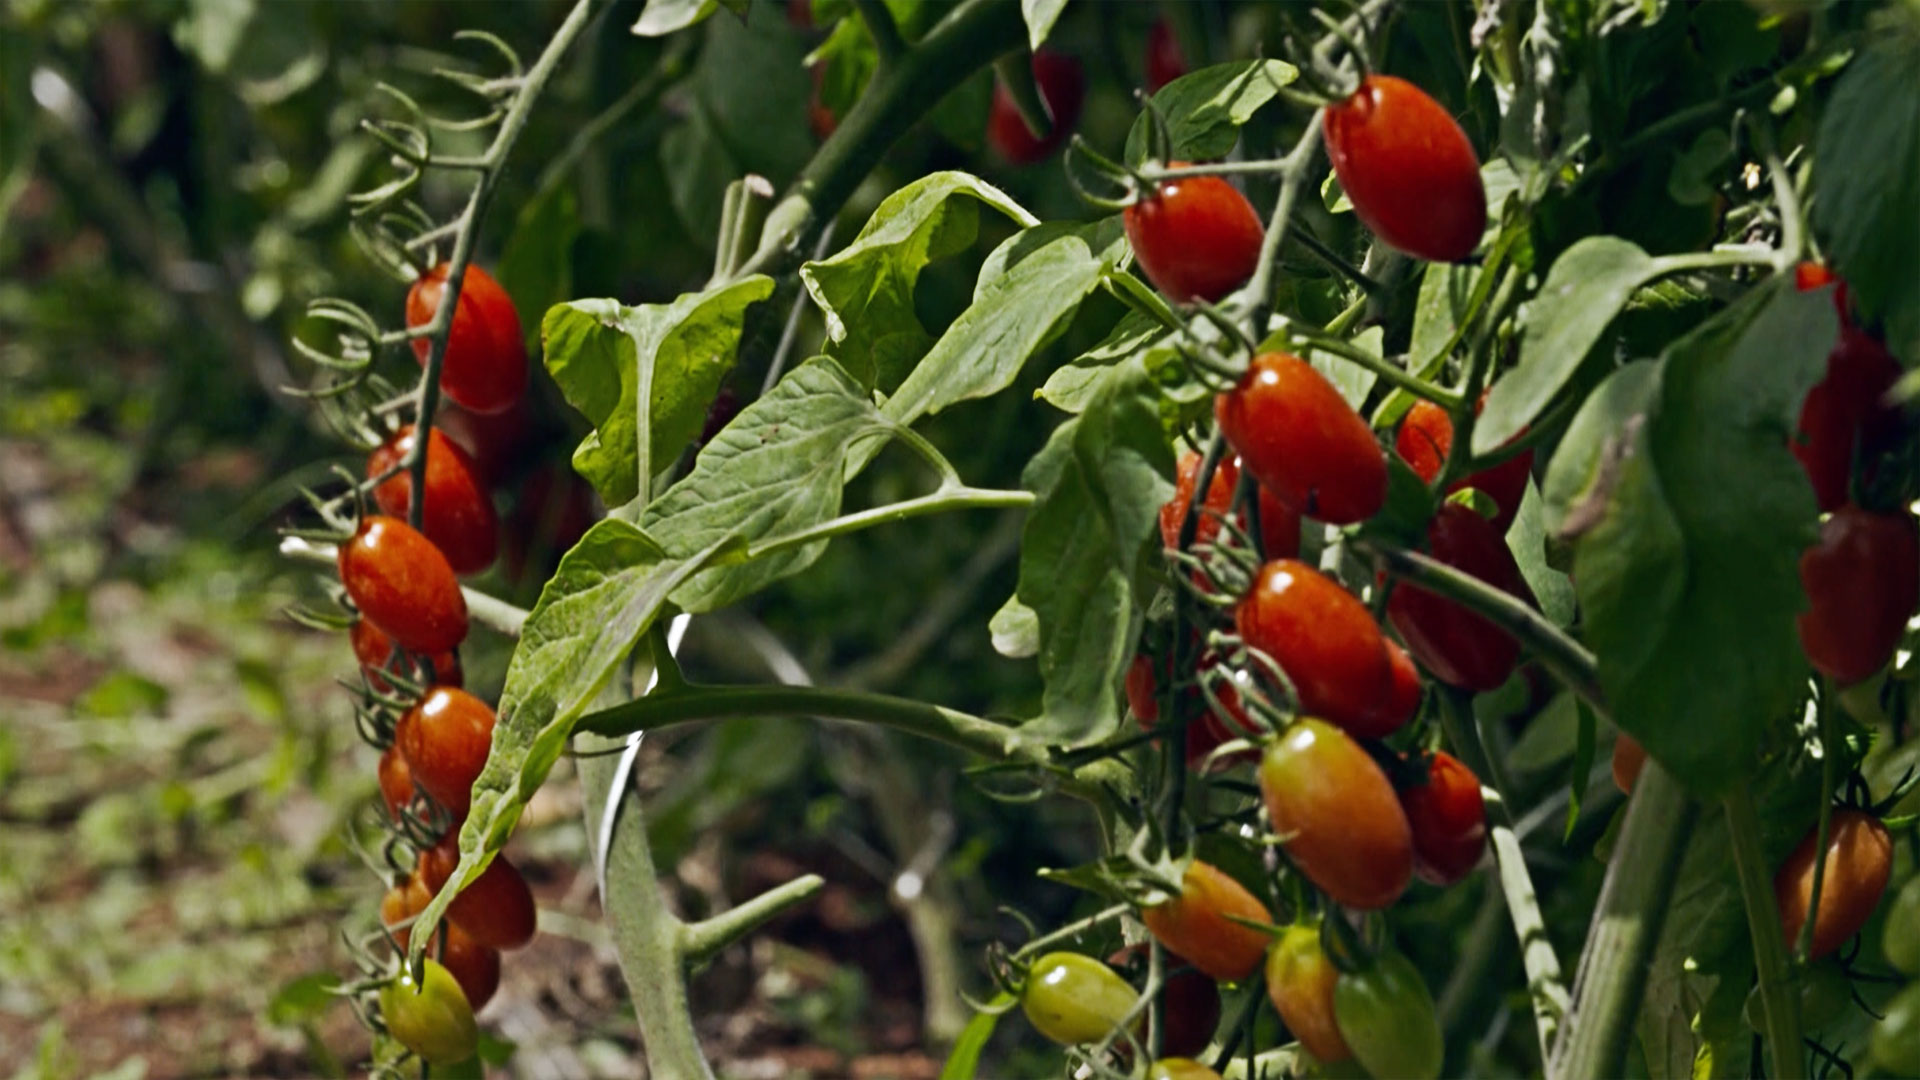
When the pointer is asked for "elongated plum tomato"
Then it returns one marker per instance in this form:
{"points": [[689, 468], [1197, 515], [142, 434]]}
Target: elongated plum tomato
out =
{"points": [[459, 516], [1843, 415], [1426, 438], [1302, 441], [1457, 645], [485, 368], [1189, 1002], [1386, 1015], [1859, 861], [1408, 169], [1337, 815], [396, 781], [1171, 1068], [1074, 999], [1165, 61], [375, 652], [1300, 979], [402, 902], [445, 739], [1863, 582], [1196, 237], [432, 1018], [496, 908], [1062, 85], [1196, 923], [1325, 640], [1629, 757], [1279, 524], [403, 585], [1403, 690], [474, 966], [1449, 821]]}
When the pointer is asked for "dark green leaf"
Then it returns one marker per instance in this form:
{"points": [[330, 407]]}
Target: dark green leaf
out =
{"points": [[1528, 541], [754, 118], [1205, 109], [698, 168], [537, 267], [1353, 381]]}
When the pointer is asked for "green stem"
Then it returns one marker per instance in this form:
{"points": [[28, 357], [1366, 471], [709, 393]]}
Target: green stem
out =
{"points": [[1072, 930], [1387, 371], [881, 27], [1828, 747], [1259, 290], [1626, 927], [1763, 922], [702, 940], [945, 499], [1338, 262]]}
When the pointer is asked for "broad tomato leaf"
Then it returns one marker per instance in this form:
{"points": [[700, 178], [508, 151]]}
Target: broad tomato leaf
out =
{"points": [[754, 118], [605, 355], [1071, 385], [698, 168], [865, 291], [1353, 381], [1527, 538], [1205, 109]]}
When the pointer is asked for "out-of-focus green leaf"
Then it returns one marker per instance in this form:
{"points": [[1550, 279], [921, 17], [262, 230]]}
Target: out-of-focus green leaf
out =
{"points": [[537, 267], [963, 1062], [663, 17], [304, 999], [1205, 109], [1040, 16]]}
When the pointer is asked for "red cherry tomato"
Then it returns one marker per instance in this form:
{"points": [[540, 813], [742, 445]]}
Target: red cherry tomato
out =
{"points": [[485, 368], [1403, 689], [1324, 639], [1843, 415], [1165, 61], [1206, 731], [1063, 86], [1458, 646], [402, 902], [1863, 582], [1426, 438], [1279, 527], [1337, 815], [459, 516], [1629, 757], [1195, 924], [1300, 981], [1190, 1003], [403, 585], [445, 739], [375, 652], [1195, 237], [1859, 861], [1302, 441], [497, 909], [474, 966], [396, 781], [1408, 169], [1143, 697], [1449, 821], [1226, 476], [1809, 276]]}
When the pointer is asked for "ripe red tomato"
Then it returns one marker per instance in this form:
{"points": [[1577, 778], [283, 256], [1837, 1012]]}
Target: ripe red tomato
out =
{"points": [[1325, 640], [1629, 757], [1165, 61], [1843, 413], [1458, 646], [402, 902], [1302, 441], [474, 966], [1195, 238], [1863, 582], [1189, 1002], [1195, 924], [1300, 981], [432, 1018], [1279, 527], [1226, 476], [1449, 821], [1408, 169], [403, 585], [1808, 276], [396, 781], [497, 909], [494, 441], [1143, 697], [375, 652], [1403, 690], [1062, 85], [1859, 860], [1337, 815], [459, 516], [485, 368], [1074, 999], [1206, 731], [1426, 438], [445, 739]]}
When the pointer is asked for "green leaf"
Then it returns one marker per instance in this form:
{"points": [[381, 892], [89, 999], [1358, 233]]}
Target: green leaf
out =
{"points": [[603, 598], [1100, 481], [753, 118], [304, 999], [605, 355], [1688, 519], [1587, 286], [777, 469], [698, 168], [964, 1060], [212, 30], [1528, 541], [537, 266], [1550, 737], [663, 17], [1353, 381], [1040, 16], [865, 290], [1072, 384], [1205, 109], [1866, 157]]}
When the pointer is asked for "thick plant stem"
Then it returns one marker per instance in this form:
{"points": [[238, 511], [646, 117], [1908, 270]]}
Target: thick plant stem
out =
{"points": [[700, 941], [1769, 948], [1626, 928]]}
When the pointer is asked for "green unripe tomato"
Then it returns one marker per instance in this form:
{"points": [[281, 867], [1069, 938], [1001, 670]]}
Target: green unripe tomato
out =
{"points": [[1901, 937], [1387, 1018], [1896, 1039], [432, 1019], [1823, 989], [1074, 999]]}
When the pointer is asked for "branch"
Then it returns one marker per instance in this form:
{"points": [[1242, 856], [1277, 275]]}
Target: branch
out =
{"points": [[881, 27], [1777, 995], [699, 941]]}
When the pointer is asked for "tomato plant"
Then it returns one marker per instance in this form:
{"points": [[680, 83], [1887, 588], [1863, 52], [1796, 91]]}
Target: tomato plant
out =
{"points": [[1180, 1069], [1302, 441], [1824, 993], [1195, 237], [444, 740], [1859, 860], [1409, 168], [459, 516], [1325, 640], [1386, 1016], [1901, 938], [430, 1017], [1300, 982], [1449, 820], [1063, 86], [1198, 923], [403, 586], [1074, 999], [485, 367], [1189, 1000], [1457, 645], [1337, 815], [1863, 583]]}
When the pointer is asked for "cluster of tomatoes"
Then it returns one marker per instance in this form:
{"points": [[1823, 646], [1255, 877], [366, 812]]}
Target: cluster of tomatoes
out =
{"points": [[403, 584]]}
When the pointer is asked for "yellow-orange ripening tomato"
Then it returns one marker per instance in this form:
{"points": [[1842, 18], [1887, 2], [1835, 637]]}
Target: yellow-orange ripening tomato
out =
{"points": [[485, 367], [1195, 924], [1337, 815], [1300, 980], [1859, 861]]}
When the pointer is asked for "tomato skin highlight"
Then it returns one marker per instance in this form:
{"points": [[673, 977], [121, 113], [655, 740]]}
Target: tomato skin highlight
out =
{"points": [[459, 516], [1408, 169], [485, 368], [1300, 981], [1843, 413], [445, 739], [1425, 439], [1339, 818], [431, 1018], [1386, 1014], [1629, 757], [1460, 647], [1074, 999], [1326, 641], [396, 781], [375, 652], [1302, 441], [496, 909], [403, 585], [1063, 87], [1165, 61], [1449, 821], [1196, 237], [1859, 861], [1195, 924], [1863, 582]]}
